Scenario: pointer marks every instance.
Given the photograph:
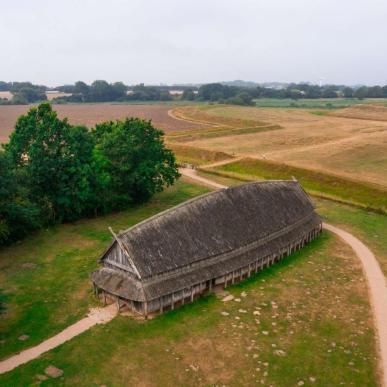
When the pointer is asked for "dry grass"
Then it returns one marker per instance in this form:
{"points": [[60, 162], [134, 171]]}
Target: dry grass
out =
{"points": [[365, 112], [350, 147]]}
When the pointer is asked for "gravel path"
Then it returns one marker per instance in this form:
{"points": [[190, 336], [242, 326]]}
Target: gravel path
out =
{"points": [[96, 316], [377, 286]]}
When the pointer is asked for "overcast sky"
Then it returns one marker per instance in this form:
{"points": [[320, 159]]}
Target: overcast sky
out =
{"points": [[180, 41]]}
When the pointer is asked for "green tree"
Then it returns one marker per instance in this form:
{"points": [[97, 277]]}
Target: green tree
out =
{"points": [[17, 215], [348, 92], [54, 158], [132, 161]]}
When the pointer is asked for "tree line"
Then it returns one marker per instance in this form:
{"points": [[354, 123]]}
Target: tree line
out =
{"points": [[102, 91], [53, 172]]}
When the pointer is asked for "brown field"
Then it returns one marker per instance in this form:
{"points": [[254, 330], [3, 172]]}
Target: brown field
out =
{"points": [[350, 147], [90, 114]]}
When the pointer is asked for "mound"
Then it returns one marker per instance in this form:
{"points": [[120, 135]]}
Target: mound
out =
{"points": [[364, 111]]}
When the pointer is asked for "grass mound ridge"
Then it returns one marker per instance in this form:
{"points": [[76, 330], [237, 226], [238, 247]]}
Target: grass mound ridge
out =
{"points": [[343, 190]]}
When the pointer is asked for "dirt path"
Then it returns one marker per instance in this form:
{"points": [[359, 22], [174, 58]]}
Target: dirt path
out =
{"points": [[377, 287], [96, 316]]}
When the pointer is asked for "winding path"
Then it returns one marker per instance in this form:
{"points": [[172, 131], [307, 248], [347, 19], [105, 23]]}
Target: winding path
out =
{"points": [[376, 280], [96, 316]]}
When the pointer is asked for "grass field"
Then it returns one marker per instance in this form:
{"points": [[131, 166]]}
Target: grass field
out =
{"points": [[305, 319], [352, 146]]}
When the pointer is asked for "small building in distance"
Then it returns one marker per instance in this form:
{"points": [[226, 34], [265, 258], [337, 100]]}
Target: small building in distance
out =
{"points": [[213, 240]]}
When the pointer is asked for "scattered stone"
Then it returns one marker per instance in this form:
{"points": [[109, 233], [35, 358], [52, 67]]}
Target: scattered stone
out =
{"points": [[256, 313], [53, 371], [224, 313], [228, 298], [23, 337], [28, 265], [243, 294], [194, 368], [242, 311], [300, 383], [265, 333], [312, 379], [237, 299], [280, 352]]}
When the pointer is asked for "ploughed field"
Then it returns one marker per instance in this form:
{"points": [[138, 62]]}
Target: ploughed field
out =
{"points": [[350, 142], [91, 114], [304, 321]]}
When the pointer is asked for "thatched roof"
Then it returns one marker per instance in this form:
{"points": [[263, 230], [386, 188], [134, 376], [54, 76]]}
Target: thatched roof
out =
{"points": [[187, 243]]}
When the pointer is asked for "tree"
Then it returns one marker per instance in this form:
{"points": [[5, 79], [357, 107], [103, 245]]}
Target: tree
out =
{"points": [[188, 95], [132, 161], [54, 158], [18, 216], [348, 92], [361, 92]]}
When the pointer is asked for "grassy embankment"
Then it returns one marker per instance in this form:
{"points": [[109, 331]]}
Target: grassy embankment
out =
{"points": [[319, 184]]}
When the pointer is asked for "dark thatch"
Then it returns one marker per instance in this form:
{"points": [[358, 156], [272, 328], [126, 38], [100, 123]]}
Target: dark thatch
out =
{"points": [[205, 239]]}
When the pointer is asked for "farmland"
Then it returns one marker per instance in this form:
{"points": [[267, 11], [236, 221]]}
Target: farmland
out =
{"points": [[91, 114], [351, 142]]}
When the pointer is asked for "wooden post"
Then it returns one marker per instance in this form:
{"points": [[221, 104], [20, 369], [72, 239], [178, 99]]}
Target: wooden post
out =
{"points": [[104, 298], [192, 293], [248, 275], [146, 310], [118, 304], [161, 304], [210, 286], [173, 301], [233, 277]]}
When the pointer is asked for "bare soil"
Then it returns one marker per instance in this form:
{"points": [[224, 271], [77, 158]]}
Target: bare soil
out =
{"points": [[91, 114]]}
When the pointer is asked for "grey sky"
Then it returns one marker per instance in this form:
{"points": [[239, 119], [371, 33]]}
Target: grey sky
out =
{"points": [[174, 41]]}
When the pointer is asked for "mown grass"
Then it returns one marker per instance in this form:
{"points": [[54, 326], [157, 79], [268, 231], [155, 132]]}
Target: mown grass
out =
{"points": [[320, 103], [364, 195], [305, 319], [45, 278]]}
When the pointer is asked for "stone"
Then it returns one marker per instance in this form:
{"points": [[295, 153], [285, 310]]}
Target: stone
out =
{"points": [[242, 311], [28, 265], [300, 383], [23, 337], [237, 299], [243, 294], [224, 313], [53, 372], [230, 297]]}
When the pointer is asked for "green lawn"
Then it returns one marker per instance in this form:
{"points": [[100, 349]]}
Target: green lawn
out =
{"points": [[305, 319], [320, 103], [56, 291]]}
